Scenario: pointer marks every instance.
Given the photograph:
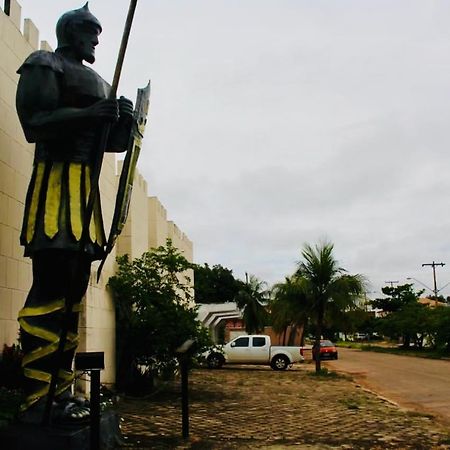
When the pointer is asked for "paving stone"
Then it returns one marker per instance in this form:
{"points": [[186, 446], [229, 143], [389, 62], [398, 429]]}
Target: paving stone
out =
{"points": [[257, 408]]}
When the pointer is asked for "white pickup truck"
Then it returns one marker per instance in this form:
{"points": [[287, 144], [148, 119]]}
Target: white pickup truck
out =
{"points": [[254, 349]]}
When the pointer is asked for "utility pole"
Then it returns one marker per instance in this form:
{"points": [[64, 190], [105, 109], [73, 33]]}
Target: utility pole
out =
{"points": [[391, 283], [433, 265]]}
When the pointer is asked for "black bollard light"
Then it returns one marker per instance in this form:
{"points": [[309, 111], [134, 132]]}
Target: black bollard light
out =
{"points": [[183, 353], [93, 362]]}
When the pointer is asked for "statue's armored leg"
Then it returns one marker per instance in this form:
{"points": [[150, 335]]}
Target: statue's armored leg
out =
{"points": [[41, 320]]}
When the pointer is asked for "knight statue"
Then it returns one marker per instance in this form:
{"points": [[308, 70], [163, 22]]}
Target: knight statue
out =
{"points": [[62, 106]]}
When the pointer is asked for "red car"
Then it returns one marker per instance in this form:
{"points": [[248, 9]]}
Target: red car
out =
{"points": [[327, 350]]}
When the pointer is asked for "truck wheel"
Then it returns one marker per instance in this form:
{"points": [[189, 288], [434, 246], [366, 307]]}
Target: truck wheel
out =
{"points": [[215, 361], [279, 362]]}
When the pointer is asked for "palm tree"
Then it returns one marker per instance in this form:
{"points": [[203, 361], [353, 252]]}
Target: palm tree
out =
{"points": [[324, 283], [288, 307], [252, 300]]}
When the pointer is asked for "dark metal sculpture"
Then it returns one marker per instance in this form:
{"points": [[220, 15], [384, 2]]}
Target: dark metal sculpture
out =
{"points": [[73, 116]]}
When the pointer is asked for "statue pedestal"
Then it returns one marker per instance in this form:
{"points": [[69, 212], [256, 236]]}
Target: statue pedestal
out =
{"points": [[21, 436]]}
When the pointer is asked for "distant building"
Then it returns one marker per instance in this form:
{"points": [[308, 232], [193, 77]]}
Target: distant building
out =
{"points": [[431, 303], [224, 321]]}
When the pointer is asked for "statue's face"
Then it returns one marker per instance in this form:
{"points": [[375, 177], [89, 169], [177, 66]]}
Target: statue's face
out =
{"points": [[85, 39]]}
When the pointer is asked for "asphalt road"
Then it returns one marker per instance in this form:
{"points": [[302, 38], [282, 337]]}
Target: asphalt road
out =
{"points": [[414, 383]]}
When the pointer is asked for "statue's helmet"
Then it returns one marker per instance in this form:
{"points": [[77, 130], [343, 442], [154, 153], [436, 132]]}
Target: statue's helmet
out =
{"points": [[71, 20]]}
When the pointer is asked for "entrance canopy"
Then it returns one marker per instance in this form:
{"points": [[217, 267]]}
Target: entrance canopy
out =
{"points": [[211, 314]]}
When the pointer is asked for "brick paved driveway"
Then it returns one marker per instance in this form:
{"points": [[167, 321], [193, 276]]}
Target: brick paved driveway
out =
{"points": [[248, 407]]}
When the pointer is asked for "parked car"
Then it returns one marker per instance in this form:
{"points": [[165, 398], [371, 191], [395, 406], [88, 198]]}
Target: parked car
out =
{"points": [[254, 349], [360, 336], [327, 350]]}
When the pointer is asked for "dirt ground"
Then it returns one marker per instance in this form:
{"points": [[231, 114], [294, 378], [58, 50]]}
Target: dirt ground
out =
{"points": [[421, 384], [245, 407]]}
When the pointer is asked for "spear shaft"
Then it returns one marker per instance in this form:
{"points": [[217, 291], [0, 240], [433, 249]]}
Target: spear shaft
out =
{"points": [[95, 176]]}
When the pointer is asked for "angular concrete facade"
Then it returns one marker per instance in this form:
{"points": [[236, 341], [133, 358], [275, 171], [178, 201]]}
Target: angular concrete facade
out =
{"points": [[147, 225]]}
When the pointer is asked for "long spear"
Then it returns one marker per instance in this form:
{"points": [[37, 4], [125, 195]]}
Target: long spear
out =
{"points": [[95, 176]]}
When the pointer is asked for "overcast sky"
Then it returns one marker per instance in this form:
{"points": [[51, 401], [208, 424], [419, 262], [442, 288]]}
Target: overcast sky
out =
{"points": [[283, 122]]}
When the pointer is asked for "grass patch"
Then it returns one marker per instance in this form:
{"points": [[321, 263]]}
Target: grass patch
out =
{"points": [[325, 373], [247, 382], [445, 440], [351, 402], [420, 353], [419, 414], [350, 344], [395, 350]]}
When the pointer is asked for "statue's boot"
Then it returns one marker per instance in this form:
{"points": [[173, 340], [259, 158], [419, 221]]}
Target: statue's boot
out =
{"points": [[65, 411]]}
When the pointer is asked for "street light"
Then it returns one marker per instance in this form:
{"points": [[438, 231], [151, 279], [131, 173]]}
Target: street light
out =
{"points": [[423, 284]]}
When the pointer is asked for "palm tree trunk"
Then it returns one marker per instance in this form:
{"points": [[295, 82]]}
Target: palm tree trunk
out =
{"points": [[316, 350], [304, 326], [292, 335]]}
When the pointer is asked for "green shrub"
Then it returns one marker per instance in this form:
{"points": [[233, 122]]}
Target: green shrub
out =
{"points": [[10, 367]]}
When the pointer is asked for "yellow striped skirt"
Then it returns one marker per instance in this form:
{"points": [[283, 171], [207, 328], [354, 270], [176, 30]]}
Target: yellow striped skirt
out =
{"points": [[55, 208]]}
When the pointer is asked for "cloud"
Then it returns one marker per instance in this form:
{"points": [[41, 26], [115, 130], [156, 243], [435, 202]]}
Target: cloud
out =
{"points": [[273, 124]]}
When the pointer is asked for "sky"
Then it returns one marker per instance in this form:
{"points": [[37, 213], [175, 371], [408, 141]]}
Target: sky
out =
{"points": [[276, 123]]}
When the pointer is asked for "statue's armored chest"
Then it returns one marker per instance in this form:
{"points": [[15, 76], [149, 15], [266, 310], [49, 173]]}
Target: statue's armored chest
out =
{"points": [[81, 86]]}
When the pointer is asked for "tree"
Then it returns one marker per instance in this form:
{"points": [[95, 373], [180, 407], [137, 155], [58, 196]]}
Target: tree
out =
{"points": [[154, 314], [252, 300], [406, 317], [215, 284], [440, 328], [288, 306], [325, 285], [412, 323], [396, 297], [348, 321]]}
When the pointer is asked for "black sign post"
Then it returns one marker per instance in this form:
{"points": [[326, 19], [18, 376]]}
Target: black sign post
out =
{"points": [[94, 363], [183, 352]]}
